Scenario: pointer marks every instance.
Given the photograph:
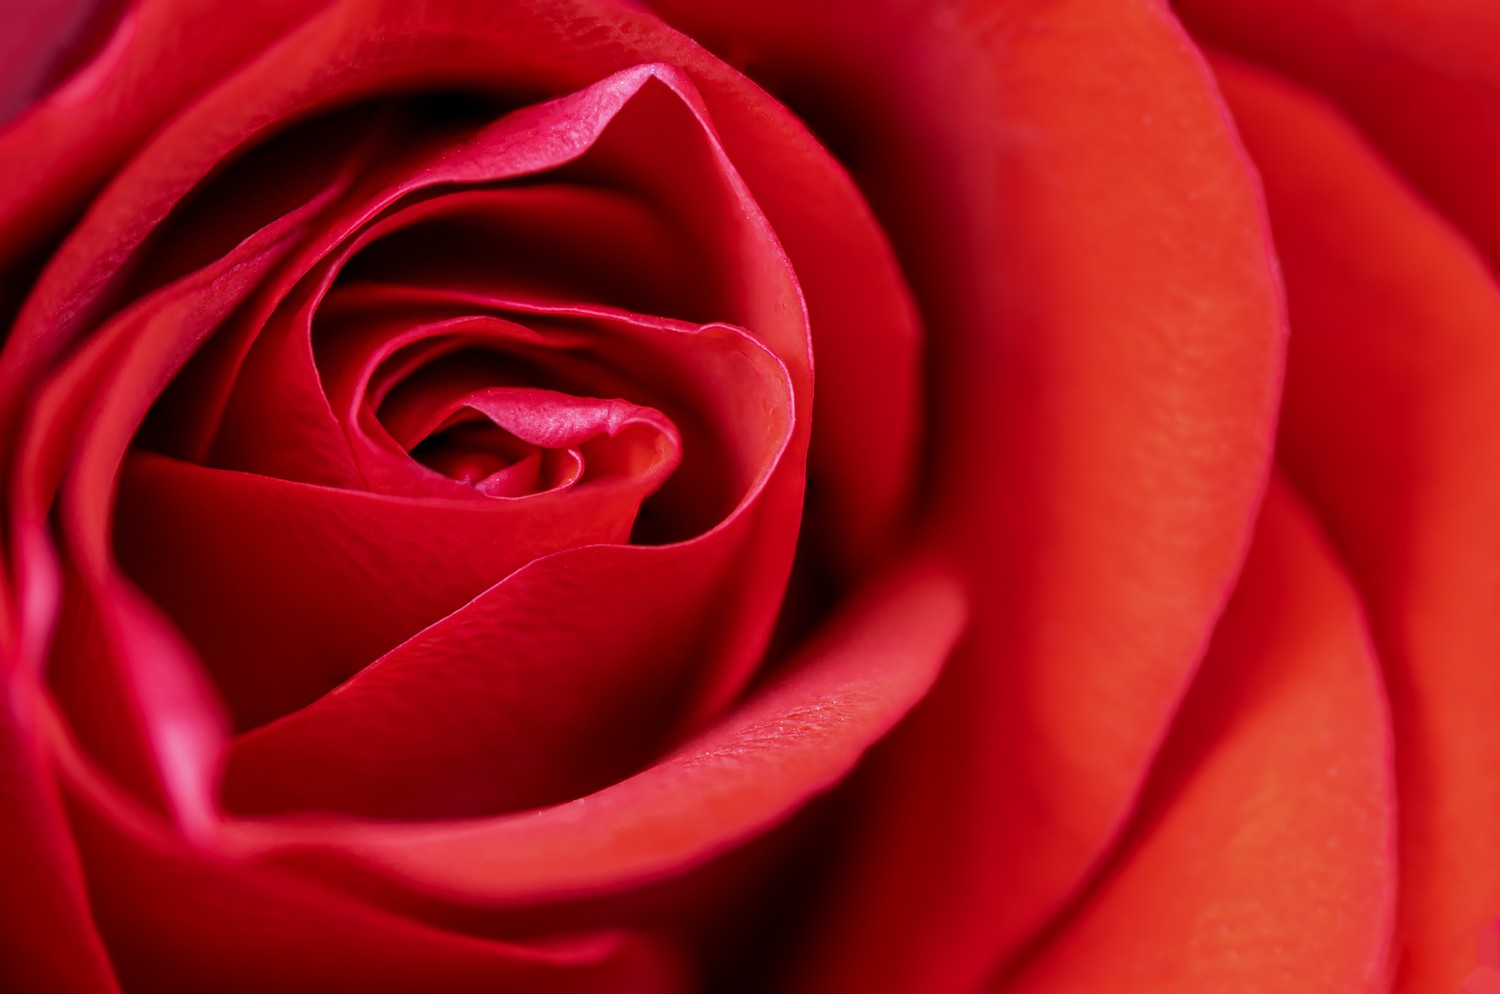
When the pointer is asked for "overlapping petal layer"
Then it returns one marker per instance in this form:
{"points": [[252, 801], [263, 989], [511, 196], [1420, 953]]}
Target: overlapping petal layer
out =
{"points": [[1390, 431], [1420, 78], [230, 925], [866, 331], [221, 339], [1109, 358], [796, 737], [1083, 233], [695, 574], [1262, 853]]}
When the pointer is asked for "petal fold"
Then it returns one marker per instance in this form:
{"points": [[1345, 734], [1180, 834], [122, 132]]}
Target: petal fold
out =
{"points": [[1392, 433], [1262, 854]]}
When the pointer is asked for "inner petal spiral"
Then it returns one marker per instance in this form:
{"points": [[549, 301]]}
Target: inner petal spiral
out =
{"points": [[444, 463]]}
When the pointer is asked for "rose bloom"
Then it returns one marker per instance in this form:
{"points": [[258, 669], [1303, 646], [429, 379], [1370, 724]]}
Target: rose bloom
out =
{"points": [[749, 495]]}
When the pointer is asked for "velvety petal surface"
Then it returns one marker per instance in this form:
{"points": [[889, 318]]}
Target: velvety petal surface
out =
{"points": [[48, 940], [1420, 78], [56, 155], [530, 702], [47, 42], [1108, 363], [1261, 856], [214, 923], [143, 705], [1085, 238], [795, 738], [1391, 433]]}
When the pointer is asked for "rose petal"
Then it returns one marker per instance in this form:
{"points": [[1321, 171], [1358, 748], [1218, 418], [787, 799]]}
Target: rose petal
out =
{"points": [[1484, 980], [161, 724], [1421, 78], [1392, 431], [56, 153], [796, 738], [47, 41], [748, 616], [714, 383], [288, 589], [228, 553], [624, 443], [48, 940], [353, 51], [276, 398], [1262, 854], [534, 712], [864, 465], [1092, 248], [509, 702], [215, 923]]}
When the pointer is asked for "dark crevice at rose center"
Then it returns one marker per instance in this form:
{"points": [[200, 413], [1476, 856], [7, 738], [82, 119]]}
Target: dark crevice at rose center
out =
{"points": [[474, 451], [518, 441]]}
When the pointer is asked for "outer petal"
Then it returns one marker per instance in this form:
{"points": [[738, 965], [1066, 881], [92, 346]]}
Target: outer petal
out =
{"points": [[81, 423], [1262, 855], [219, 924], [1392, 431], [45, 41], [48, 941], [1421, 78], [1087, 242], [62, 148]]}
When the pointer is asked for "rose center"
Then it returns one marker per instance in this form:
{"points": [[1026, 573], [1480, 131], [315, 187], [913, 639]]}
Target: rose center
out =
{"points": [[475, 451]]}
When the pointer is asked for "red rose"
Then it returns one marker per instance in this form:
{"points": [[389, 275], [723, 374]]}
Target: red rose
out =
{"points": [[483, 481]]}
